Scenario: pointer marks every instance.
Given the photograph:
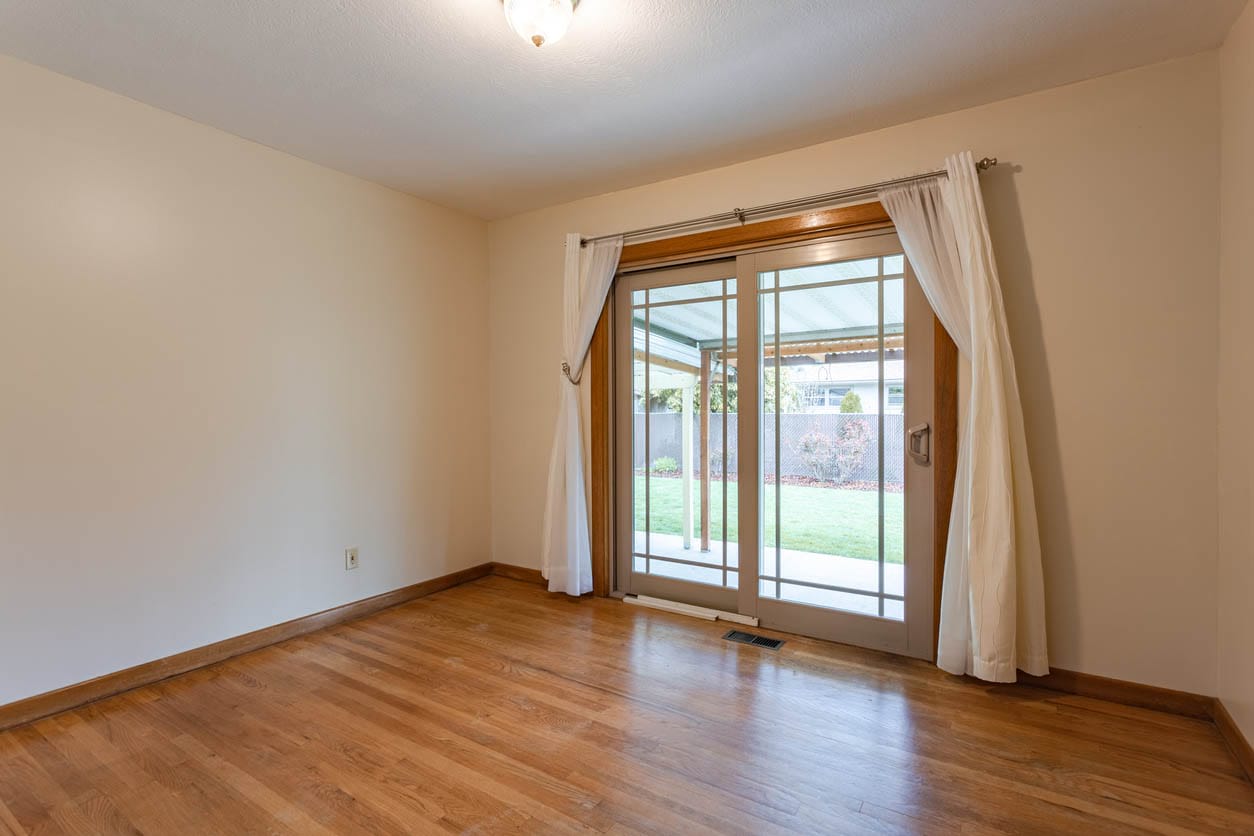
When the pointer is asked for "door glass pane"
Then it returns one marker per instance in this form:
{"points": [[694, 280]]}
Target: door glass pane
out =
{"points": [[832, 452], [894, 438], [687, 292], [768, 513], [862, 268], [640, 429], [683, 429]]}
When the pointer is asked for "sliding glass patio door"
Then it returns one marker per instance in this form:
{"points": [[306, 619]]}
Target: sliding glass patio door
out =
{"points": [[676, 435], [774, 423], [841, 517]]}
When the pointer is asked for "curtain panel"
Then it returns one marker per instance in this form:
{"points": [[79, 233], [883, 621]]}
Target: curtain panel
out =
{"points": [[992, 620], [566, 560]]}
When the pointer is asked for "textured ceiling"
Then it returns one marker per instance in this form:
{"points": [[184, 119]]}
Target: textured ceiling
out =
{"points": [[440, 99]]}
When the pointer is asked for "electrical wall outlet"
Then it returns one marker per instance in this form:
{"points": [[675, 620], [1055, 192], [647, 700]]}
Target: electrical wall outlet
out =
{"points": [[350, 558]]}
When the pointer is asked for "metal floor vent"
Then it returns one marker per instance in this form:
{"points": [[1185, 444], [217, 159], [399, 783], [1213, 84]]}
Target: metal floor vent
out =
{"points": [[742, 637]]}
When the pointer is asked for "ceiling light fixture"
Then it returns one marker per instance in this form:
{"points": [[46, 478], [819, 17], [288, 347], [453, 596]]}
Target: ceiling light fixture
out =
{"points": [[540, 21]]}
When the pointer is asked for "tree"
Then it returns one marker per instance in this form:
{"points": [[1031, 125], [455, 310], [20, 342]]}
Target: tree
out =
{"points": [[851, 403], [789, 392]]}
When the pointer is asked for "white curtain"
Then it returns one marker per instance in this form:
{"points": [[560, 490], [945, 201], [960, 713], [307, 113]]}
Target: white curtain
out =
{"points": [[993, 599], [567, 551]]}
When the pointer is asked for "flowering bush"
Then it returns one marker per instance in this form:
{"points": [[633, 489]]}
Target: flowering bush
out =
{"points": [[836, 459], [851, 445], [816, 449]]}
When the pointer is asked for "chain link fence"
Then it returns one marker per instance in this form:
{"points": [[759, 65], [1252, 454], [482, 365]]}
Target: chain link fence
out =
{"points": [[836, 448]]}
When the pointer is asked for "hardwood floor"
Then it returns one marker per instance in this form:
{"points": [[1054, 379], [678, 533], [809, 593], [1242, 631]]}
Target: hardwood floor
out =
{"points": [[495, 707]]}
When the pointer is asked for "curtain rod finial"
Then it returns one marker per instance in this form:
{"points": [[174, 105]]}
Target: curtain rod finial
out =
{"points": [[986, 163]]}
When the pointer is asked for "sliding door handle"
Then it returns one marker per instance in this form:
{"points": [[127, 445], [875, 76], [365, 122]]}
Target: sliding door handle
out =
{"points": [[919, 443]]}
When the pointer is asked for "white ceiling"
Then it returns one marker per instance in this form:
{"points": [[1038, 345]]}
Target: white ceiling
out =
{"points": [[440, 99]]}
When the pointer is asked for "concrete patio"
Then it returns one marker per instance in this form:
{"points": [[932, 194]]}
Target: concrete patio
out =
{"points": [[809, 567]]}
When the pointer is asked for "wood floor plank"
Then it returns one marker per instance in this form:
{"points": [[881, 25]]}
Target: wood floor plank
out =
{"points": [[981, 755], [534, 753], [495, 707], [603, 738], [9, 825]]}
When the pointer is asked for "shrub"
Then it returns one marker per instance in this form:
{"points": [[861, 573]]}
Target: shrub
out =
{"points": [[851, 403], [816, 450], [851, 443], [665, 465]]}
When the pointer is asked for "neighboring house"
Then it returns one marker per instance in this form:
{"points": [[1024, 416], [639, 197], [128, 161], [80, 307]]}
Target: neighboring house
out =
{"points": [[823, 386]]}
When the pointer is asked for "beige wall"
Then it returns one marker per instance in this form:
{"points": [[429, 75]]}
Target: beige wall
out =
{"points": [[219, 367], [1105, 222], [1236, 382]]}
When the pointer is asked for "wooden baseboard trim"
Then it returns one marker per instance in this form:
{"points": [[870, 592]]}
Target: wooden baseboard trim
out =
{"points": [[518, 573], [1237, 742], [1152, 697], [1123, 692], [73, 696], [82, 693]]}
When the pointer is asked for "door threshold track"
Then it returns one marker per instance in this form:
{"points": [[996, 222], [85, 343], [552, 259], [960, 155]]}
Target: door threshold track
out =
{"points": [[689, 609]]}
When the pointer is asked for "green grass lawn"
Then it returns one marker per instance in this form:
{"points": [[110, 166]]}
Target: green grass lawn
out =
{"points": [[823, 520]]}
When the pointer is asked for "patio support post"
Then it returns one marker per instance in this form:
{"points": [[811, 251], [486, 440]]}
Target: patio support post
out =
{"points": [[705, 449], [685, 434]]}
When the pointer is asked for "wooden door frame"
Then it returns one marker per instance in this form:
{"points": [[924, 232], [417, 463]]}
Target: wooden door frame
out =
{"points": [[944, 454], [601, 512], [865, 217]]}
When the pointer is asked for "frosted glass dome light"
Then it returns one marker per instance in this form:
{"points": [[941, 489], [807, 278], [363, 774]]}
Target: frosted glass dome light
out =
{"points": [[540, 21]]}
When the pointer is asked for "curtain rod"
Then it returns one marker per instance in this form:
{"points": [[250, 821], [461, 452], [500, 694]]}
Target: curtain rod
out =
{"points": [[812, 201]]}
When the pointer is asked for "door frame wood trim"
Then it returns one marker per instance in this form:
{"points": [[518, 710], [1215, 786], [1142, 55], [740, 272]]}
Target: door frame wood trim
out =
{"points": [[864, 217], [822, 223], [601, 511], [944, 458]]}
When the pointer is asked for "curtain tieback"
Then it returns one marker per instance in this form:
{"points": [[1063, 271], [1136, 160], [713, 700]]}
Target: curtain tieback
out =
{"points": [[566, 371]]}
